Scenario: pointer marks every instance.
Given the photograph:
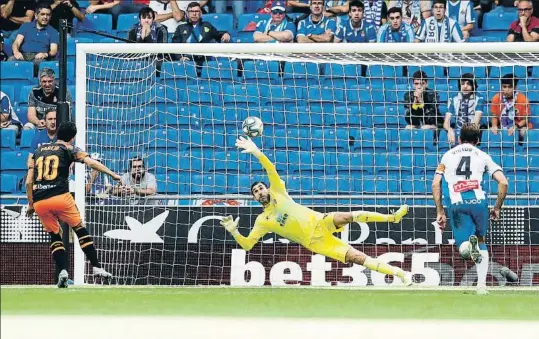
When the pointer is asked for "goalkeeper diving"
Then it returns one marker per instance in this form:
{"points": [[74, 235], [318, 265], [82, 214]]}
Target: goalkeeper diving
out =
{"points": [[302, 225]]}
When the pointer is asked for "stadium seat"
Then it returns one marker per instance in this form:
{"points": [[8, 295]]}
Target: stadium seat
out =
{"points": [[384, 76], [220, 70], [8, 138], [324, 94], [501, 143], [239, 184], [498, 20], [354, 163], [202, 95], [283, 94], [496, 72], [344, 115], [179, 69], [261, 69], [433, 72], [246, 20], [13, 162], [8, 183], [171, 183], [98, 22], [241, 95], [26, 139], [330, 139], [485, 39], [222, 22], [301, 73], [223, 162], [17, 73], [374, 140], [417, 140], [197, 140], [125, 22], [288, 139]]}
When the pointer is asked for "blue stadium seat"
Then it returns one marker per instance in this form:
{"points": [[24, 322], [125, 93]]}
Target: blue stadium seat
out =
{"points": [[244, 38], [222, 22], [354, 163], [26, 139], [425, 163], [208, 184], [301, 73], [17, 73], [179, 69], [498, 20], [22, 99], [324, 94], [332, 70], [417, 140], [223, 162], [480, 72], [344, 115], [245, 19], [486, 38], [13, 162], [201, 95], [374, 140], [8, 183], [385, 76], [360, 94], [283, 94], [239, 184], [500, 143], [328, 139], [433, 72], [241, 95], [261, 69], [125, 22], [98, 22], [197, 140], [386, 116], [8, 138], [220, 70], [532, 141], [171, 183], [534, 185], [287, 139], [496, 72]]}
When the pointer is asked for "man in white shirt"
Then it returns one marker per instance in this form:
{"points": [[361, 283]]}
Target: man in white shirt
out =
{"points": [[169, 12]]}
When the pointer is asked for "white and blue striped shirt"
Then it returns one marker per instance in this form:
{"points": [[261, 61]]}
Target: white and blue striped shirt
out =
{"points": [[447, 30], [404, 34], [461, 11]]}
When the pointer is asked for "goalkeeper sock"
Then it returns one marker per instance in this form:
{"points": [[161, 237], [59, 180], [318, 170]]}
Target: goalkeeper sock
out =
{"points": [[58, 252], [482, 269], [87, 245], [378, 266], [363, 216]]}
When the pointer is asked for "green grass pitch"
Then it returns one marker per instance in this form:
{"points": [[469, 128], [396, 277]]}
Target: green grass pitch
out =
{"points": [[276, 302]]}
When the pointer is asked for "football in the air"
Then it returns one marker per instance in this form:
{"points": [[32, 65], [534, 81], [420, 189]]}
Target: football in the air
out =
{"points": [[252, 127]]}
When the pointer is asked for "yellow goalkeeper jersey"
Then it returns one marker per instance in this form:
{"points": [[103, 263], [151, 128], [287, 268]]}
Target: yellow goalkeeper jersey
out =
{"points": [[283, 215]]}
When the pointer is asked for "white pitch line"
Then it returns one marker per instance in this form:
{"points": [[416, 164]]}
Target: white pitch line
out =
{"points": [[90, 327]]}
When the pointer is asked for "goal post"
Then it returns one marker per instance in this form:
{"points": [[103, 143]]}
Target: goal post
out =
{"points": [[335, 126]]}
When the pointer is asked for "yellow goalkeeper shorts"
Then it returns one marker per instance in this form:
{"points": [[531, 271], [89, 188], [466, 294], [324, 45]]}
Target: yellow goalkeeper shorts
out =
{"points": [[324, 242]]}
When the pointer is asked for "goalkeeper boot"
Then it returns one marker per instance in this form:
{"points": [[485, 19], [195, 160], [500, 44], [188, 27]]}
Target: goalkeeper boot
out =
{"points": [[100, 272], [63, 277], [400, 213], [406, 277], [475, 254]]}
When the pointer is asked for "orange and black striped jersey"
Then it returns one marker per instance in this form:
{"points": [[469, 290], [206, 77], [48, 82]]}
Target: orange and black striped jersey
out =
{"points": [[51, 164]]}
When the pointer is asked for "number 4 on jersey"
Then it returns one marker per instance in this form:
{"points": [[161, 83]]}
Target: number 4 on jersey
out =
{"points": [[464, 167]]}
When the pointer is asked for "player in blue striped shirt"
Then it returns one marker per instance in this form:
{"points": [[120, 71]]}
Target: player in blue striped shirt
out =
{"points": [[356, 28], [395, 30]]}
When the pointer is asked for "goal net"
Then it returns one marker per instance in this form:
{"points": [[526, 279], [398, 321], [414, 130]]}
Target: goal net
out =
{"points": [[335, 119]]}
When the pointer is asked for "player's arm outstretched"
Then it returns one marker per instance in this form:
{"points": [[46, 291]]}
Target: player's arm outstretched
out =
{"points": [[231, 225], [250, 147], [96, 165]]}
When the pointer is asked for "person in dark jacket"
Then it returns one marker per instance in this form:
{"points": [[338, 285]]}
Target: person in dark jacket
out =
{"points": [[422, 105], [197, 31], [147, 30]]}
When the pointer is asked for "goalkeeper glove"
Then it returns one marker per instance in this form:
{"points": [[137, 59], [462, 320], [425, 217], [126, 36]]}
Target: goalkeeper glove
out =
{"points": [[230, 224], [248, 146]]}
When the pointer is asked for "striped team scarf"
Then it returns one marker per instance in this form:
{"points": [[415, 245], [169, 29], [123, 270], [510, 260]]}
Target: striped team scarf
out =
{"points": [[373, 12]]}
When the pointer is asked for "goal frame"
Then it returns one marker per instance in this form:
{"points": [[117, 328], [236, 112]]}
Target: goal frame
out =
{"points": [[82, 49]]}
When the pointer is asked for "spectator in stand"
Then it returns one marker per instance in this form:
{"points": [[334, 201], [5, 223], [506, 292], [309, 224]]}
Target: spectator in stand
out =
{"points": [[147, 30], [375, 12], [299, 6], [3, 55], [136, 183], [439, 28], [481, 7], [463, 13], [413, 11], [316, 27], [466, 107], [277, 29], [337, 9], [36, 41], [64, 9], [510, 109], [116, 7], [422, 105], [395, 30], [356, 29], [526, 28], [43, 98], [197, 31], [46, 135], [8, 118], [13, 14], [238, 7], [168, 13]]}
